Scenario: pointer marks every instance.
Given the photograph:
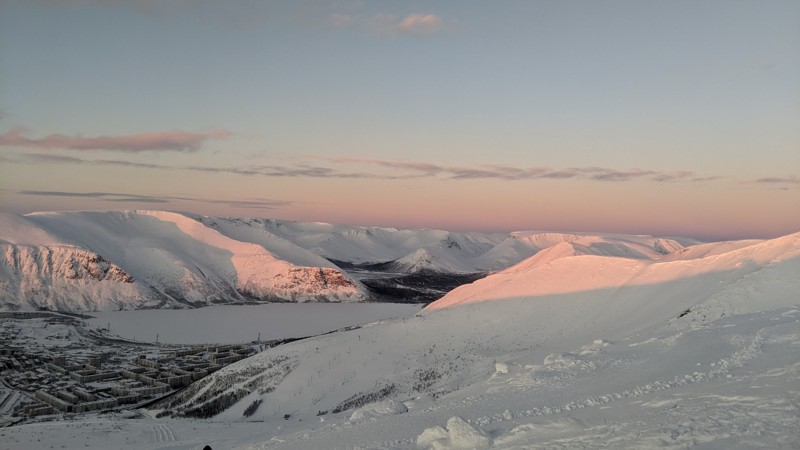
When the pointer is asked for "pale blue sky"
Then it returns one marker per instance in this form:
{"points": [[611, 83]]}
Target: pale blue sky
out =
{"points": [[310, 103]]}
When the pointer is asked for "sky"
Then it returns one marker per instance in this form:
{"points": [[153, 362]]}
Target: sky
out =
{"points": [[677, 118]]}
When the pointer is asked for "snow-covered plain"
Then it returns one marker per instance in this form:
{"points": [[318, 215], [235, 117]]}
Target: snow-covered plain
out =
{"points": [[568, 349], [244, 323]]}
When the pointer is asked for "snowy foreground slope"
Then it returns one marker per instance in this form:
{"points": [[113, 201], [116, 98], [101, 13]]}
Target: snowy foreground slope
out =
{"points": [[567, 349], [132, 259]]}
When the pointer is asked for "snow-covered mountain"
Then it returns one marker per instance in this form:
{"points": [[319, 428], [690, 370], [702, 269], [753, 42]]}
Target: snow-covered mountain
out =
{"points": [[524, 244], [506, 361], [620, 274], [453, 256], [402, 250], [81, 261], [412, 251], [75, 261]]}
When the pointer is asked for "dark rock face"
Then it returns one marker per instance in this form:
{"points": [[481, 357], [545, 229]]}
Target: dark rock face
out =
{"points": [[62, 262], [87, 264]]}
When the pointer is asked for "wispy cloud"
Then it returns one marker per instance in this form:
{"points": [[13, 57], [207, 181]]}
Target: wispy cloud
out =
{"points": [[603, 174], [174, 141], [791, 179], [118, 197], [105, 196], [427, 168], [391, 24], [412, 169], [317, 166], [420, 24], [297, 170], [250, 204], [42, 157]]}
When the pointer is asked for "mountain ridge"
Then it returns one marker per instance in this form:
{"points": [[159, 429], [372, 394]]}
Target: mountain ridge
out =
{"points": [[174, 260], [179, 260]]}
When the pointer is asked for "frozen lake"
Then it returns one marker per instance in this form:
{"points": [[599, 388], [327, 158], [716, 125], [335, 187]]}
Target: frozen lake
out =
{"points": [[243, 323]]}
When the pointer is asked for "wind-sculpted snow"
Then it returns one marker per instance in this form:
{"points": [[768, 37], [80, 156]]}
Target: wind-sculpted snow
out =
{"points": [[154, 259]]}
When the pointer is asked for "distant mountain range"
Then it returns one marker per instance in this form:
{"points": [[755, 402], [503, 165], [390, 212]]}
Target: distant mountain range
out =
{"points": [[562, 340], [84, 261]]}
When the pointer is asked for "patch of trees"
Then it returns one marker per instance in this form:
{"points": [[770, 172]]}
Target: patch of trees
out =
{"points": [[252, 408], [216, 406], [424, 379], [362, 399]]}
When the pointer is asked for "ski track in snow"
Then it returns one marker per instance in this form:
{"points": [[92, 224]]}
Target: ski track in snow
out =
{"points": [[9, 399], [163, 433]]}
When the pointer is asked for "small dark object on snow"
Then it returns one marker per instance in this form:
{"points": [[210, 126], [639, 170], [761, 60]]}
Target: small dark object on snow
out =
{"points": [[207, 447]]}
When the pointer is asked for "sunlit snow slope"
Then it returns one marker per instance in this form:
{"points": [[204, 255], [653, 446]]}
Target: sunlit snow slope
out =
{"points": [[77, 261], [582, 324], [612, 276]]}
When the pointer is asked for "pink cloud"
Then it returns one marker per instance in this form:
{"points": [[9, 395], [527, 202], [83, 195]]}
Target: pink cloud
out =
{"points": [[420, 23], [177, 141], [390, 24]]}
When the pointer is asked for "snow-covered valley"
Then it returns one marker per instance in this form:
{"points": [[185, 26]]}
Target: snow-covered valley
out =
{"points": [[589, 341], [228, 324]]}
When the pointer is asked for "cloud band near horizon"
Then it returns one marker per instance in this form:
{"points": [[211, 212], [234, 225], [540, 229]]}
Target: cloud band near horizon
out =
{"points": [[398, 169], [266, 204], [503, 172], [173, 141], [407, 170]]}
